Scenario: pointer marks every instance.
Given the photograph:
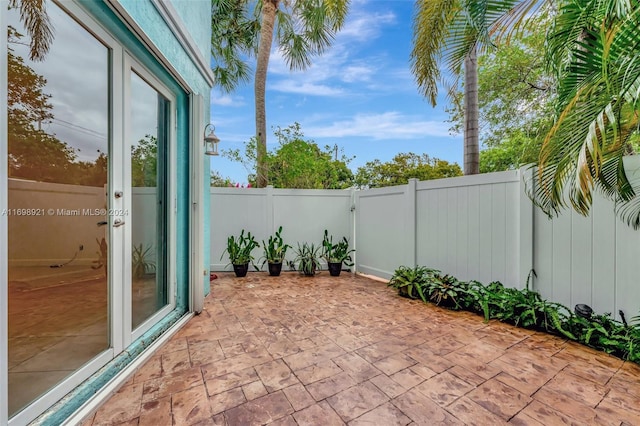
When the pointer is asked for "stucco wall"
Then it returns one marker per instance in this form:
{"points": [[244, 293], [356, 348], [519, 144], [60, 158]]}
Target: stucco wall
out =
{"points": [[196, 14], [149, 19]]}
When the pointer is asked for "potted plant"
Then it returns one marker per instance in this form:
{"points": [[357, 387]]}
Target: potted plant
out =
{"points": [[274, 251], [307, 259], [239, 251], [140, 266], [336, 254]]}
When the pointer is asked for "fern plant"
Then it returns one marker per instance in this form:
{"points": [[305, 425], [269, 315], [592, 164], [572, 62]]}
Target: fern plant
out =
{"points": [[524, 308]]}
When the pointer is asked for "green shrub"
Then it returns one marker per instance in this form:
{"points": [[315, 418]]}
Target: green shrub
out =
{"points": [[523, 308], [445, 290], [410, 281]]}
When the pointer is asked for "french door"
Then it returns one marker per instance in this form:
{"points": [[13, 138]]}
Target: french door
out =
{"points": [[91, 217], [149, 129]]}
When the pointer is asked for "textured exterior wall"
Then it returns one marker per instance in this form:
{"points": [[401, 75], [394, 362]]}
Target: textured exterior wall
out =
{"points": [[149, 19], [196, 14]]}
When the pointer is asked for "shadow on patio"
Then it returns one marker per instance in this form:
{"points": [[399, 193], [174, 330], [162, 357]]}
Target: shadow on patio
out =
{"points": [[322, 351]]}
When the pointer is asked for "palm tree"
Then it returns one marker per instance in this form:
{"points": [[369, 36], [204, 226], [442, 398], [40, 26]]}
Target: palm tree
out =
{"points": [[457, 31], [593, 47], [33, 15], [233, 35], [441, 29], [303, 28]]}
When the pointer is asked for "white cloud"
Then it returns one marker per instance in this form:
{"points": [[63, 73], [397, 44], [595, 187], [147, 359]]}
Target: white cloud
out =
{"points": [[226, 100], [388, 125], [312, 89], [363, 26], [355, 73], [337, 64]]}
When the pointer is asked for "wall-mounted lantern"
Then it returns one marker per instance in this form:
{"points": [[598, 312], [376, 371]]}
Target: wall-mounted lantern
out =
{"points": [[210, 140]]}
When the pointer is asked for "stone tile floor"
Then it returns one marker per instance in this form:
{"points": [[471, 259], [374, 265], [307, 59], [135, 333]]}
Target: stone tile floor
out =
{"points": [[292, 350]]}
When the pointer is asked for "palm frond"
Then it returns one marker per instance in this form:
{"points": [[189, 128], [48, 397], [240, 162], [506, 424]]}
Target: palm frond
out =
{"points": [[598, 94], [33, 15], [449, 30], [431, 26], [233, 39], [307, 28], [514, 21]]}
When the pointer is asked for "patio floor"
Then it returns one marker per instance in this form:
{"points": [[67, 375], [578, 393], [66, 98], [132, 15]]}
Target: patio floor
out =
{"points": [[328, 351]]}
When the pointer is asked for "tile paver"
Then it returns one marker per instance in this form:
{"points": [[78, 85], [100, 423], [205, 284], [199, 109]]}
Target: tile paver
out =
{"points": [[318, 414], [323, 351], [355, 401], [263, 410]]}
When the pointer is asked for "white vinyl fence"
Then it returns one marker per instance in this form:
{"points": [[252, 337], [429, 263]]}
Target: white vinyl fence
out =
{"points": [[468, 227], [304, 214], [480, 227], [54, 220]]}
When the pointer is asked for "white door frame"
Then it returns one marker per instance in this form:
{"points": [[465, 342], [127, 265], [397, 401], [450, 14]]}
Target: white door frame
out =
{"points": [[132, 65], [4, 204], [120, 260]]}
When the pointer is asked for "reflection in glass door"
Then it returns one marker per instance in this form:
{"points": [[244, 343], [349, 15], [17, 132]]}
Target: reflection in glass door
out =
{"points": [[148, 133], [58, 155]]}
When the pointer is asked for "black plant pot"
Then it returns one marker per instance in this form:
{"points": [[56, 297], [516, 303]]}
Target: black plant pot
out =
{"points": [[335, 268], [274, 269], [241, 270]]}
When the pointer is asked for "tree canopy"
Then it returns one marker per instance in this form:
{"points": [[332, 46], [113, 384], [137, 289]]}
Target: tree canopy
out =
{"points": [[33, 153], [301, 163], [300, 29], [297, 163], [516, 96], [403, 167]]}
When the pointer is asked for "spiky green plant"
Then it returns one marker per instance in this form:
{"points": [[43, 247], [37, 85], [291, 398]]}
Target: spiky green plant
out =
{"points": [[239, 249], [338, 252], [307, 258], [274, 249]]}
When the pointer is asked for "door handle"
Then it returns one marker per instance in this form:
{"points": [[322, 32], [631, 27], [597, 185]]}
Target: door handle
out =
{"points": [[118, 222], [102, 223]]}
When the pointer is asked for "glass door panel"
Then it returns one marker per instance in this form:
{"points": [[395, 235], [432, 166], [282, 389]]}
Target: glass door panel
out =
{"points": [[58, 159], [149, 152]]}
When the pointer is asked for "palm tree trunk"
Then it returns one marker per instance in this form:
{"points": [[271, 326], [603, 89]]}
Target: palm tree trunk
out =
{"points": [[269, 8], [471, 143]]}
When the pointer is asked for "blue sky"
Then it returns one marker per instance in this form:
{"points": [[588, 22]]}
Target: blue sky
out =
{"points": [[360, 94]]}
